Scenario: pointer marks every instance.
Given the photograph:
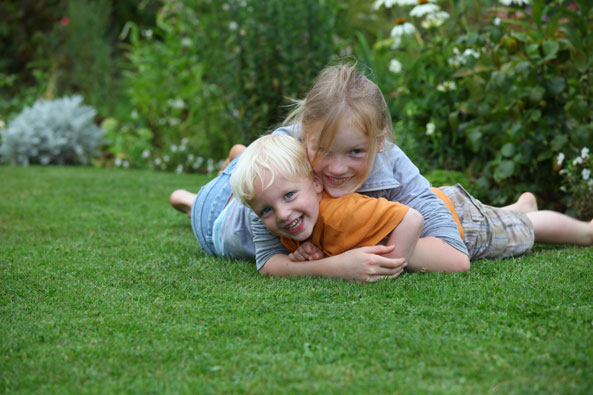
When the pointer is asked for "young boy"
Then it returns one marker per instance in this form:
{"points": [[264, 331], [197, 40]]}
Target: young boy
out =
{"points": [[275, 179]]}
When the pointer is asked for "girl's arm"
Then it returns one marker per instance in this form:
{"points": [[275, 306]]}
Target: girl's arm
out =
{"points": [[367, 264]]}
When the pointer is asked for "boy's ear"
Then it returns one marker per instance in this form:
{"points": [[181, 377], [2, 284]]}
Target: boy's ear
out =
{"points": [[318, 184]]}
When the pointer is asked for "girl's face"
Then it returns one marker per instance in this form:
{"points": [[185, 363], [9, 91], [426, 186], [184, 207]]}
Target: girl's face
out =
{"points": [[345, 166]]}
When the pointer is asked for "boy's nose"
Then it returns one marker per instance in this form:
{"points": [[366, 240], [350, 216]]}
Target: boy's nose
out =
{"points": [[283, 213]]}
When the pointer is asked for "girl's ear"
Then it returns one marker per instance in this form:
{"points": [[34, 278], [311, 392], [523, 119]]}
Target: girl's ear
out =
{"points": [[380, 145], [317, 184]]}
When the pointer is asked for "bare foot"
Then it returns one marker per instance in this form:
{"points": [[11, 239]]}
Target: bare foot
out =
{"points": [[182, 200], [525, 204]]}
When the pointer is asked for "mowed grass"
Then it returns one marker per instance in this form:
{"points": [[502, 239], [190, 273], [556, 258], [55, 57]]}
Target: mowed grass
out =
{"points": [[104, 289]]}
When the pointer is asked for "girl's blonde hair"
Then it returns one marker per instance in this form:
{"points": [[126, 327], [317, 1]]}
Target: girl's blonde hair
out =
{"points": [[343, 96], [270, 154]]}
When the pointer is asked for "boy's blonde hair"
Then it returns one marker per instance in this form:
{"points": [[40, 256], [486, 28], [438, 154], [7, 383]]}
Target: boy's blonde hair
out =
{"points": [[271, 154], [342, 96]]}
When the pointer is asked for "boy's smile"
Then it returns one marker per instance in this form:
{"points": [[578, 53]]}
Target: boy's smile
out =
{"points": [[288, 208]]}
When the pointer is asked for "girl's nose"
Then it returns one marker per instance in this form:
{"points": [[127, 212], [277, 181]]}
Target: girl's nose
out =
{"points": [[337, 166]]}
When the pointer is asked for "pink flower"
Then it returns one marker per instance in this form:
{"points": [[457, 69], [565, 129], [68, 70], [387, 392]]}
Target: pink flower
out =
{"points": [[64, 21]]}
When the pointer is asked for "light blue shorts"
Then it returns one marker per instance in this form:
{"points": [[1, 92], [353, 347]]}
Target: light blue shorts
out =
{"points": [[208, 205]]}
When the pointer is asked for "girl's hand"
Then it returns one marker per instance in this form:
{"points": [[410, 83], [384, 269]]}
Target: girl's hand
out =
{"points": [[369, 264], [306, 252]]}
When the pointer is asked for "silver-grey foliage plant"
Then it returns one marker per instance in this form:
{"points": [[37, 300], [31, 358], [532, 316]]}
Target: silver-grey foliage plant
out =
{"points": [[59, 131]]}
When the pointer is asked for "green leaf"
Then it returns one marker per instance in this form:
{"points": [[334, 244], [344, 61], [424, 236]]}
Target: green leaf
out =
{"points": [[508, 150], [550, 49], [558, 142], [504, 170], [536, 115], [475, 138], [557, 85], [536, 94], [521, 36]]}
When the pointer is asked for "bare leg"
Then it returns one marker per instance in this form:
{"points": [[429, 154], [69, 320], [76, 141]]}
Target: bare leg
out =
{"points": [[235, 151], [557, 228], [525, 204], [434, 255], [182, 200]]}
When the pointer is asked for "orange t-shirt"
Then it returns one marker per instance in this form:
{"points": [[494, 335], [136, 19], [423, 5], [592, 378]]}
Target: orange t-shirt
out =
{"points": [[352, 221]]}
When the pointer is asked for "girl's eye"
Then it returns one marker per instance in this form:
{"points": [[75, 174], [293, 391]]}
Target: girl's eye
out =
{"points": [[357, 152], [289, 195]]}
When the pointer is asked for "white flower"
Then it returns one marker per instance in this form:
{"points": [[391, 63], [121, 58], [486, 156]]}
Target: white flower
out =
{"points": [[117, 162], [177, 103], [404, 28], [210, 166], [496, 21], [181, 148], [514, 2], [391, 3], [134, 114], [184, 141], [422, 9], [233, 25], [586, 174], [166, 158], [157, 161], [186, 42], [396, 43], [145, 153], [577, 161], [435, 20], [462, 58], [190, 157], [179, 169], [430, 128], [225, 7], [126, 164], [2, 124], [560, 158], [585, 153], [446, 86], [147, 33], [395, 66], [590, 183], [174, 121], [173, 148]]}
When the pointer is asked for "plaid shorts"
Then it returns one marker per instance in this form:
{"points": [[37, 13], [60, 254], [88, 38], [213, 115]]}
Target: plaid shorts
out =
{"points": [[490, 232]]}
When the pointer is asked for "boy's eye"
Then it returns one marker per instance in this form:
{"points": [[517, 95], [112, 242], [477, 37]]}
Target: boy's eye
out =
{"points": [[265, 211], [289, 195], [357, 151]]}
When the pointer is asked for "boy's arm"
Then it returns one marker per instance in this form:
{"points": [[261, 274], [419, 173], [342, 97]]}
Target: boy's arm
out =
{"points": [[405, 236], [367, 264]]}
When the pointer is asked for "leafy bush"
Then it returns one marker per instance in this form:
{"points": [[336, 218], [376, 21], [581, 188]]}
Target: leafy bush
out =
{"points": [[59, 131], [219, 73], [578, 181], [504, 97]]}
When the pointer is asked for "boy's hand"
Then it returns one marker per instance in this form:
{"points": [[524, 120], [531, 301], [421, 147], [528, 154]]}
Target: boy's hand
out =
{"points": [[306, 252]]}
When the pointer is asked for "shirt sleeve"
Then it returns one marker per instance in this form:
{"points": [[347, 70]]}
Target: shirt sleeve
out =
{"points": [[266, 243], [414, 191]]}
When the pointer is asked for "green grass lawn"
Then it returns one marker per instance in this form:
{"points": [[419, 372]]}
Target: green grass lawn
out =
{"points": [[104, 289]]}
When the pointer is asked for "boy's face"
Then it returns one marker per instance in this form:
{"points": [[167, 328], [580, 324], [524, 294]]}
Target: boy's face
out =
{"points": [[288, 208]]}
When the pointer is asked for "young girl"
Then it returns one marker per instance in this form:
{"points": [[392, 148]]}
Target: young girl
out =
{"points": [[345, 126]]}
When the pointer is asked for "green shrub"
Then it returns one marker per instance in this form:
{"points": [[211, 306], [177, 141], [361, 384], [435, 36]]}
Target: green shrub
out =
{"points": [[502, 98], [59, 131], [219, 73], [577, 181]]}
